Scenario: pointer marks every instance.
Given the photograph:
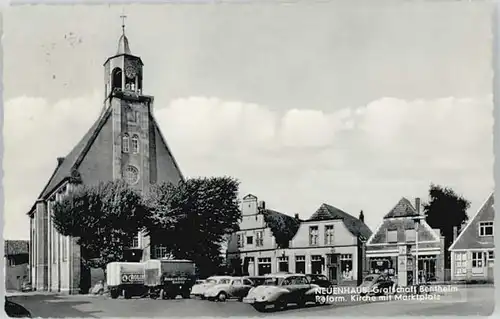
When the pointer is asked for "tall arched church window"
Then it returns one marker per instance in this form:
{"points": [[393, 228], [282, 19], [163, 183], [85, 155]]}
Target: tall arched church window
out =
{"points": [[125, 143], [116, 79], [135, 144]]}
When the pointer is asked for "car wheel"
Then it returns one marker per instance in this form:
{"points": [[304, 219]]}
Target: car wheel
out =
{"points": [[114, 293], [222, 296], [260, 307], [301, 302], [126, 294], [280, 304]]}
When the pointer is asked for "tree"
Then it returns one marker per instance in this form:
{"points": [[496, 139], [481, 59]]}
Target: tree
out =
{"points": [[282, 226], [193, 218], [444, 211], [104, 218]]}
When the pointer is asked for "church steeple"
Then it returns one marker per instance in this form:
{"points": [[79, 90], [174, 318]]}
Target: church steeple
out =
{"points": [[123, 46], [123, 71]]}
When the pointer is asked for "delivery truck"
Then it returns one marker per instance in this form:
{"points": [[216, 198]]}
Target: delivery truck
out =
{"points": [[168, 278], [126, 279]]}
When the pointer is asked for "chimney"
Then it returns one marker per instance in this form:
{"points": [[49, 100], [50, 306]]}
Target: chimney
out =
{"points": [[362, 216], [297, 216], [60, 160], [417, 205], [455, 231]]}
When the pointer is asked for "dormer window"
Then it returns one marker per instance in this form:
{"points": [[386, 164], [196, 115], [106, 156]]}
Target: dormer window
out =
{"points": [[125, 143], [135, 144], [485, 229]]}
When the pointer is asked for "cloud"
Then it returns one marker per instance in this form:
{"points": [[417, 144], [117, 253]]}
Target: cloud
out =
{"points": [[35, 134], [356, 158]]}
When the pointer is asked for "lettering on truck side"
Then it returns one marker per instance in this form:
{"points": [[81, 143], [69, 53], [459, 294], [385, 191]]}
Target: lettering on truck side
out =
{"points": [[132, 278]]}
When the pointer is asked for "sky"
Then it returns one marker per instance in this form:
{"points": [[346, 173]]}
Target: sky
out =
{"points": [[355, 105]]}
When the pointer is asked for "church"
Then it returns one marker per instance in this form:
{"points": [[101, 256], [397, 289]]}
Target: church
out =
{"points": [[125, 142]]}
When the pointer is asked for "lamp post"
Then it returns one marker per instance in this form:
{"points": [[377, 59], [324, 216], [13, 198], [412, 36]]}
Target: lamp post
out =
{"points": [[417, 220]]}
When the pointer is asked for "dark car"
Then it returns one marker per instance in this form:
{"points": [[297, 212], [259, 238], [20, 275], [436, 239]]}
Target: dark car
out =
{"points": [[376, 285], [320, 280], [15, 310]]}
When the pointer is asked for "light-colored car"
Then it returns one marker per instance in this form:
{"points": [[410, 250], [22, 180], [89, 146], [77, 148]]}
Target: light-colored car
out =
{"points": [[238, 288], [279, 290], [198, 290]]}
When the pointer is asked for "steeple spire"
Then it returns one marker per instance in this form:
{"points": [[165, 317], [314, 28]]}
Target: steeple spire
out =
{"points": [[123, 46]]}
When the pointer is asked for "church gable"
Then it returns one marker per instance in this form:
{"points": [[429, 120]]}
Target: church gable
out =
{"points": [[96, 163], [163, 166], [67, 165], [470, 237]]}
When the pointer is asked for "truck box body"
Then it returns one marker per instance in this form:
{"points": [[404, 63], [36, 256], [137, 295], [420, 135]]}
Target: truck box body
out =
{"points": [[125, 273], [175, 271]]}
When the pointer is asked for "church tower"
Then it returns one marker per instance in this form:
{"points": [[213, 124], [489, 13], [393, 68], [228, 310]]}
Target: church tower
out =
{"points": [[125, 142], [130, 111]]}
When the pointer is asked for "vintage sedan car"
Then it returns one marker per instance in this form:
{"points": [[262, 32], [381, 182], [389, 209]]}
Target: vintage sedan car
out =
{"points": [[320, 280], [198, 290], [279, 290], [237, 287], [376, 284]]}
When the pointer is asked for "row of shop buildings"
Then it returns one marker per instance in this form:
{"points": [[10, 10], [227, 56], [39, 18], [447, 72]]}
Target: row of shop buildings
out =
{"points": [[342, 247]]}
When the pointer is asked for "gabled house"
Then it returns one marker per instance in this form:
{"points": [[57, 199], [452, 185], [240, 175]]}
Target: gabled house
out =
{"points": [[331, 242], [400, 237], [473, 251]]}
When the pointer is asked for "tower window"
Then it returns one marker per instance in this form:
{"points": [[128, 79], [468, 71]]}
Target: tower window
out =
{"points": [[125, 143], [117, 79], [135, 144], [132, 175]]}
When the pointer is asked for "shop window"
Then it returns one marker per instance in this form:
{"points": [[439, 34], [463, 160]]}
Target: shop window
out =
{"points": [[477, 259], [346, 266]]}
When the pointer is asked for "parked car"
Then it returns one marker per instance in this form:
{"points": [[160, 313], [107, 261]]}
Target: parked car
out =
{"points": [[320, 280], [376, 285], [198, 290], [237, 287], [279, 290], [15, 310]]}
